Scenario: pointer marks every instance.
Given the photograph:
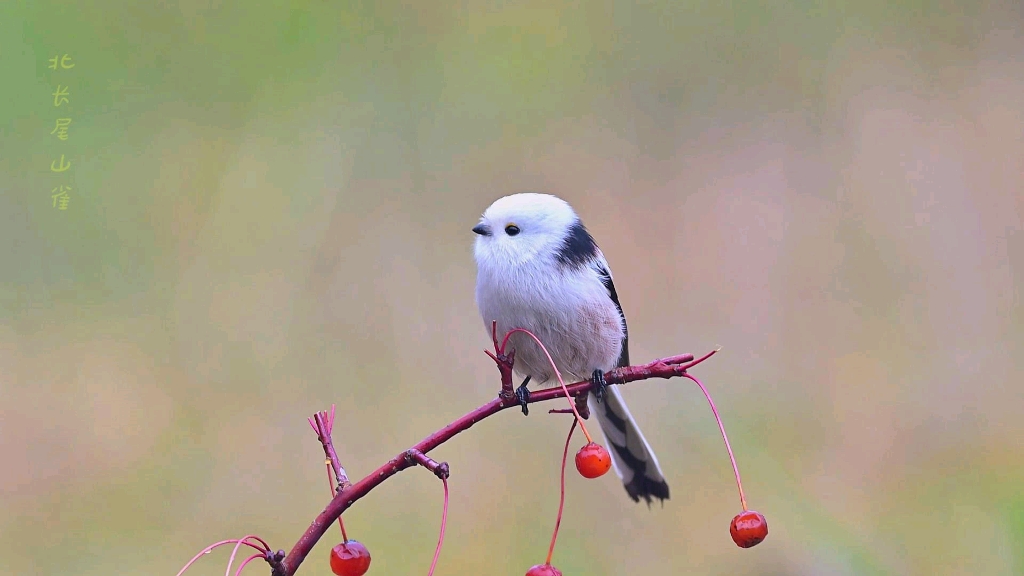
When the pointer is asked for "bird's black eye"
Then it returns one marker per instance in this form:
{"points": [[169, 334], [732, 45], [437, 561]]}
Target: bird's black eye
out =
{"points": [[511, 229]]}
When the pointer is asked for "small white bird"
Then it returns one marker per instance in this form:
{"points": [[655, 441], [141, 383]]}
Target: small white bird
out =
{"points": [[538, 268]]}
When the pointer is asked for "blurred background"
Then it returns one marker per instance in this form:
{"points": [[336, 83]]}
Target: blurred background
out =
{"points": [[269, 212]]}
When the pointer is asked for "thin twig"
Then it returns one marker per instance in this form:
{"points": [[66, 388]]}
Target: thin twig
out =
{"points": [[441, 470], [322, 424]]}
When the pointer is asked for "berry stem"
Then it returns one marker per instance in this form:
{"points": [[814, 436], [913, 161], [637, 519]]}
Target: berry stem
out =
{"points": [[246, 561], [331, 483], [557, 374], [444, 521], [721, 427], [231, 560], [561, 498], [239, 541]]}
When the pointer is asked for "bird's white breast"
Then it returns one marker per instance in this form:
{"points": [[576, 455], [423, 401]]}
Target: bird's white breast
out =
{"points": [[570, 311]]}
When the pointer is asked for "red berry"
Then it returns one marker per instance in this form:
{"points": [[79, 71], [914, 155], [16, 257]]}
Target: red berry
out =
{"points": [[350, 558], [748, 529], [593, 460], [543, 570]]}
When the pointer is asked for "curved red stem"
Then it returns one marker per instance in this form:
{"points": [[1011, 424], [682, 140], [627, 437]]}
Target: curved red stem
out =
{"points": [[444, 521], [728, 447], [332, 482], [239, 541], [561, 498], [557, 374], [246, 561]]}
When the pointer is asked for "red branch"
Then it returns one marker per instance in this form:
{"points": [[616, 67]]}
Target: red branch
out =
{"points": [[664, 368]]}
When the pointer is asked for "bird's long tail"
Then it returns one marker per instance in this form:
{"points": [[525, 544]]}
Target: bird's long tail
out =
{"points": [[632, 457]]}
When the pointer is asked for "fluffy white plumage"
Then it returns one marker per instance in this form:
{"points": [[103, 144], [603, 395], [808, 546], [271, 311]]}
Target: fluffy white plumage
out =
{"points": [[538, 268]]}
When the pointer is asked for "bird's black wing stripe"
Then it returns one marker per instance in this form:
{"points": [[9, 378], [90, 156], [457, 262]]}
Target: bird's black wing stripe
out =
{"points": [[578, 248], [606, 279]]}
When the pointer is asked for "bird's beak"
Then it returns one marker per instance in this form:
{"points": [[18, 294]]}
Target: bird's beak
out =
{"points": [[482, 229]]}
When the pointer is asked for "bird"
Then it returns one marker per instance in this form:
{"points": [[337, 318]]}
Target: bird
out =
{"points": [[538, 268]]}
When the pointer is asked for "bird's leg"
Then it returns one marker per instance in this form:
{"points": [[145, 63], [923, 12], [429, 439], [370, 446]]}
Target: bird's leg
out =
{"points": [[597, 379], [524, 396]]}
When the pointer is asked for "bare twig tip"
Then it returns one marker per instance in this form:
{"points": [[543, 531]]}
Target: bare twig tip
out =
{"points": [[443, 471]]}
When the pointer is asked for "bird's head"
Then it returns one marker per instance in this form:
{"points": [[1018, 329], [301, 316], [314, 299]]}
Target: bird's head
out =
{"points": [[530, 227]]}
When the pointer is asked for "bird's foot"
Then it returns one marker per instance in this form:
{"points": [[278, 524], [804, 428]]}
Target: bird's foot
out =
{"points": [[523, 395], [597, 379]]}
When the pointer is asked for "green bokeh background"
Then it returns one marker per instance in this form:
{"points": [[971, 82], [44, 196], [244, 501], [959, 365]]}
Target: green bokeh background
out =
{"points": [[270, 213]]}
